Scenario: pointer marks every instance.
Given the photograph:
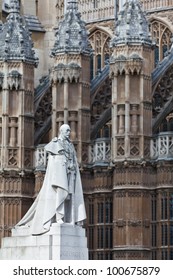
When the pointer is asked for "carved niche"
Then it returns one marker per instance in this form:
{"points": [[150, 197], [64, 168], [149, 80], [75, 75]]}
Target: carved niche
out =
{"points": [[14, 80]]}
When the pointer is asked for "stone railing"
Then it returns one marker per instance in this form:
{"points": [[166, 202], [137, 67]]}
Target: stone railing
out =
{"points": [[162, 146], [92, 11], [100, 151], [40, 157], [149, 5], [95, 10]]}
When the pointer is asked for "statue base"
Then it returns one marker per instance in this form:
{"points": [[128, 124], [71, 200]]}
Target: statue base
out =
{"points": [[62, 242]]}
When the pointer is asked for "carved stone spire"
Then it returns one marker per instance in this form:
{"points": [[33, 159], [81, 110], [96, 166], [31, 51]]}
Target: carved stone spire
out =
{"points": [[15, 40], [132, 25], [71, 36]]}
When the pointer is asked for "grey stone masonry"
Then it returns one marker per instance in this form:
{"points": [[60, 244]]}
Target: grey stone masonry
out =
{"points": [[71, 36], [131, 26], [15, 39]]}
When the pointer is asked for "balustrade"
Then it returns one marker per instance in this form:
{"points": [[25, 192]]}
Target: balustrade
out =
{"points": [[162, 146], [95, 10], [156, 4], [40, 157], [100, 151]]}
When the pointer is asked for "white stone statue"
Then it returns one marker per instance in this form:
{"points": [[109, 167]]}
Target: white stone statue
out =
{"points": [[60, 198]]}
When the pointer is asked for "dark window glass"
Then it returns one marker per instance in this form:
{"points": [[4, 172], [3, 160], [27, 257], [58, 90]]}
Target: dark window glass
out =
{"points": [[156, 55], [164, 214], [171, 207]]}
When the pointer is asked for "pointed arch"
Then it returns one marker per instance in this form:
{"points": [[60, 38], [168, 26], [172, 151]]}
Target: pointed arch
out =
{"points": [[161, 33], [99, 40]]}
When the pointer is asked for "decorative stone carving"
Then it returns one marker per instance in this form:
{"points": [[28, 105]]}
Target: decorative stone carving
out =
{"points": [[120, 146], [147, 143], [100, 151], [134, 194], [132, 64], [14, 80], [41, 157], [134, 146], [85, 156], [28, 158], [12, 157], [71, 36], [162, 146], [100, 42], [16, 43], [44, 110], [163, 92], [101, 101], [70, 72], [12, 186], [132, 25], [120, 223], [134, 223]]}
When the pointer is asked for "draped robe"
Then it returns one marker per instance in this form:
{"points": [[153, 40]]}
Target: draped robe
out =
{"points": [[58, 183]]}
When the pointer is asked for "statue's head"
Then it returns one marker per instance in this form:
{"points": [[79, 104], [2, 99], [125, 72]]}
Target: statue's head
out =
{"points": [[65, 131]]}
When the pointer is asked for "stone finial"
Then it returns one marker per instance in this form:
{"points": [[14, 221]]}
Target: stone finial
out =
{"points": [[15, 39], [71, 36], [132, 25], [14, 6]]}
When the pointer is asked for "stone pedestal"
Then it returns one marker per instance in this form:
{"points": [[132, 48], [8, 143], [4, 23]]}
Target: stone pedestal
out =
{"points": [[62, 242]]}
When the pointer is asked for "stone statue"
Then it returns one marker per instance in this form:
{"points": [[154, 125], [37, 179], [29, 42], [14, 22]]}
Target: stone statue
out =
{"points": [[60, 198]]}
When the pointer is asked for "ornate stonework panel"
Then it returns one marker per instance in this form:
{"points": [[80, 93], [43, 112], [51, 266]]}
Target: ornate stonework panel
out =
{"points": [[120, 146], [99, 41], [43, 110], [28, 162], [161, 35], [134, 147], [13, 157], [163, 92], [14, 80], [12, 186], [101, 101]]}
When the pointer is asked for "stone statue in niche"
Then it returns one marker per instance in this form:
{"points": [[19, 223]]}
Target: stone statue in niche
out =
{"points": [[60, 198]]}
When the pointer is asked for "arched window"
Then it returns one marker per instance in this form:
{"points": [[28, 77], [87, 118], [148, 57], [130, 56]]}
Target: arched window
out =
{"points": [[99, 41], [161, 34]]}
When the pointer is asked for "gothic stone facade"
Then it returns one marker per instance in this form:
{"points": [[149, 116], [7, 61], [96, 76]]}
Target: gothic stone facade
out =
{"points": [[113, 85]]}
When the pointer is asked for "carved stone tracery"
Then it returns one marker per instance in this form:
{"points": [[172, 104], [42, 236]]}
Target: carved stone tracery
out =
{"points": [[161, 34], [99, 41], [101, 101], [163, 92], [70, 72], [44, 110]]}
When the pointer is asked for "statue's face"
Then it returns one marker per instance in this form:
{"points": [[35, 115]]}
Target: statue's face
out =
{"points": [[65, 132]]}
